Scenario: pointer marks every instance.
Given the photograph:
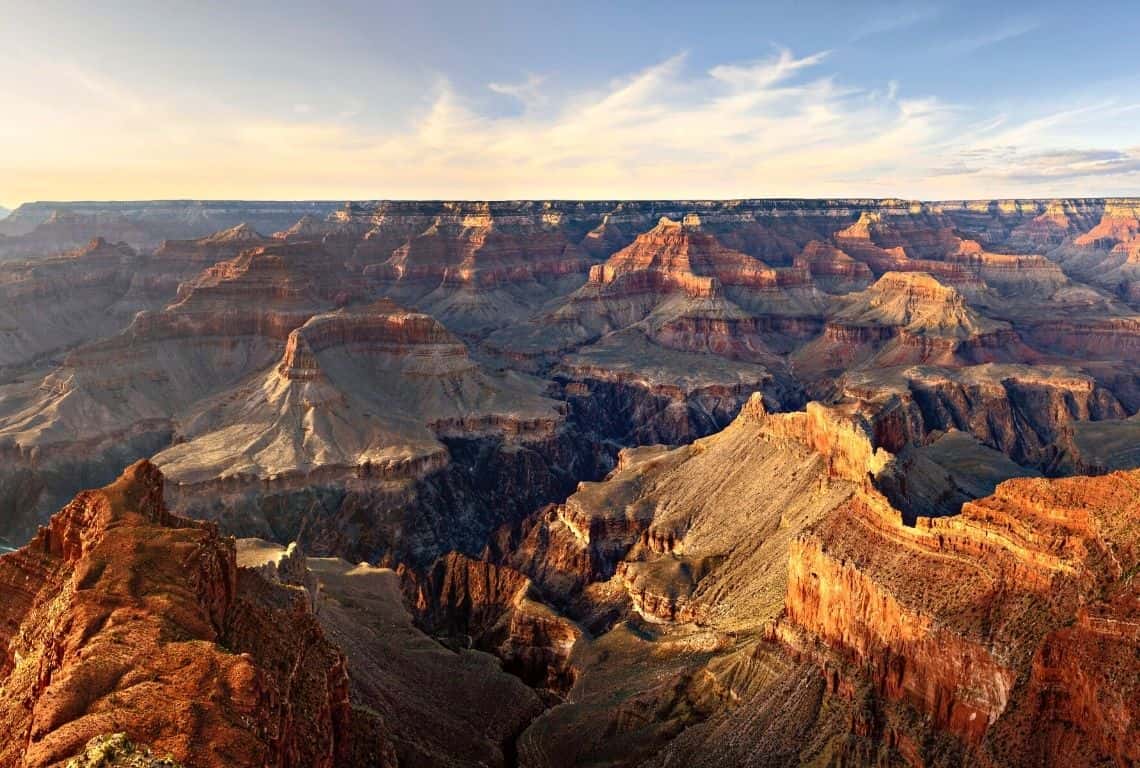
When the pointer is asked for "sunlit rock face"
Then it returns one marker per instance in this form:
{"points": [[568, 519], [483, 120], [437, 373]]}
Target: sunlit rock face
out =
{"points": [[123, 618], [757, 482]]}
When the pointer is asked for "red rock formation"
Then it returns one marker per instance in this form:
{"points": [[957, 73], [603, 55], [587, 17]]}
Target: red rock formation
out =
{"points": [[120, 617], [1106, 338], [833, 269], [1120, 223], [682, 257], [981, 621], [498, 609], [380, 328], [906, 318], [1060, 220], [1018, 275], [482, 254], [957, 683], [1026, 412], [859, 241]]}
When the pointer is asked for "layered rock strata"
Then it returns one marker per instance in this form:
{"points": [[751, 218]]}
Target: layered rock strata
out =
{"points": [[120, 617]]}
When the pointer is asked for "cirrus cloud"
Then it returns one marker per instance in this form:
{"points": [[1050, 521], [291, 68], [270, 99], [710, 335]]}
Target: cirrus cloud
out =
{"points": [[783, 125]]}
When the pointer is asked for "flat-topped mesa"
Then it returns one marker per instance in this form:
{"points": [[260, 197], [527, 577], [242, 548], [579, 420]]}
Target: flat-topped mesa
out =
{"points": [[382, 327], [683, 257], [997, 268], [920, 292], [656, 282]]}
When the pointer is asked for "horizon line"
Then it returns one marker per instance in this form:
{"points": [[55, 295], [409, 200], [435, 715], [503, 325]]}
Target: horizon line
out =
{"points": [[681, 199]]}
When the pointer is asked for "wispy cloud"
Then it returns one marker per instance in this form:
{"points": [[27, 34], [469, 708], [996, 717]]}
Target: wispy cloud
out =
{"points": [[1002, 33], [1048, 166], [779, 125], [893, 18], [529, 91]]}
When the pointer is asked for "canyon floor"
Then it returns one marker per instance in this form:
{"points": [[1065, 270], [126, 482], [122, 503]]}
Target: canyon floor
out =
{"points": [[658, 483]]}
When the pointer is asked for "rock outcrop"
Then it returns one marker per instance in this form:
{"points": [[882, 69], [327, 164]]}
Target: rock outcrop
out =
{"points": [[49, 305], [1032, 585], [496, 608], [908, 318], [121, 617]]}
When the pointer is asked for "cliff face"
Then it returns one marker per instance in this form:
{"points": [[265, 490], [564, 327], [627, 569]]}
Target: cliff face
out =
{"points": [[167, 218], [987, 637], [495, 608], [1032, 598], [176, 261], [832, 269], [1026, 412], [50, 304], [114, 400], [120, 617], [958, 684]]}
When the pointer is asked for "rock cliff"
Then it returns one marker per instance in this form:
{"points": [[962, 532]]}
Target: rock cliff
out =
{"points": [[120, 617]]}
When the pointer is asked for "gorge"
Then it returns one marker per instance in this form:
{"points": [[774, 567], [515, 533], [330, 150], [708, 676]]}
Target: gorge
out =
{"points": [[835, 482]]}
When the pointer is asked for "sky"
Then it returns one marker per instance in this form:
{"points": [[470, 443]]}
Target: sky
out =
{"points": [[122, 100]]}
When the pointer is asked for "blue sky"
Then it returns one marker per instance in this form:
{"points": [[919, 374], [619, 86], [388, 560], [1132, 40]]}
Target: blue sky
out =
{"points": [[494, 99]]}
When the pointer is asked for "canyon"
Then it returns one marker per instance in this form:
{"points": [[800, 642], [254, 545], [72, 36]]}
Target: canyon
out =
{"points": [[555, 483]]}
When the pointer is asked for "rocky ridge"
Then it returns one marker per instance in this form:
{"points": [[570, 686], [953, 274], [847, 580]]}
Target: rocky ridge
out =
{"points": [[122, 617]]}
